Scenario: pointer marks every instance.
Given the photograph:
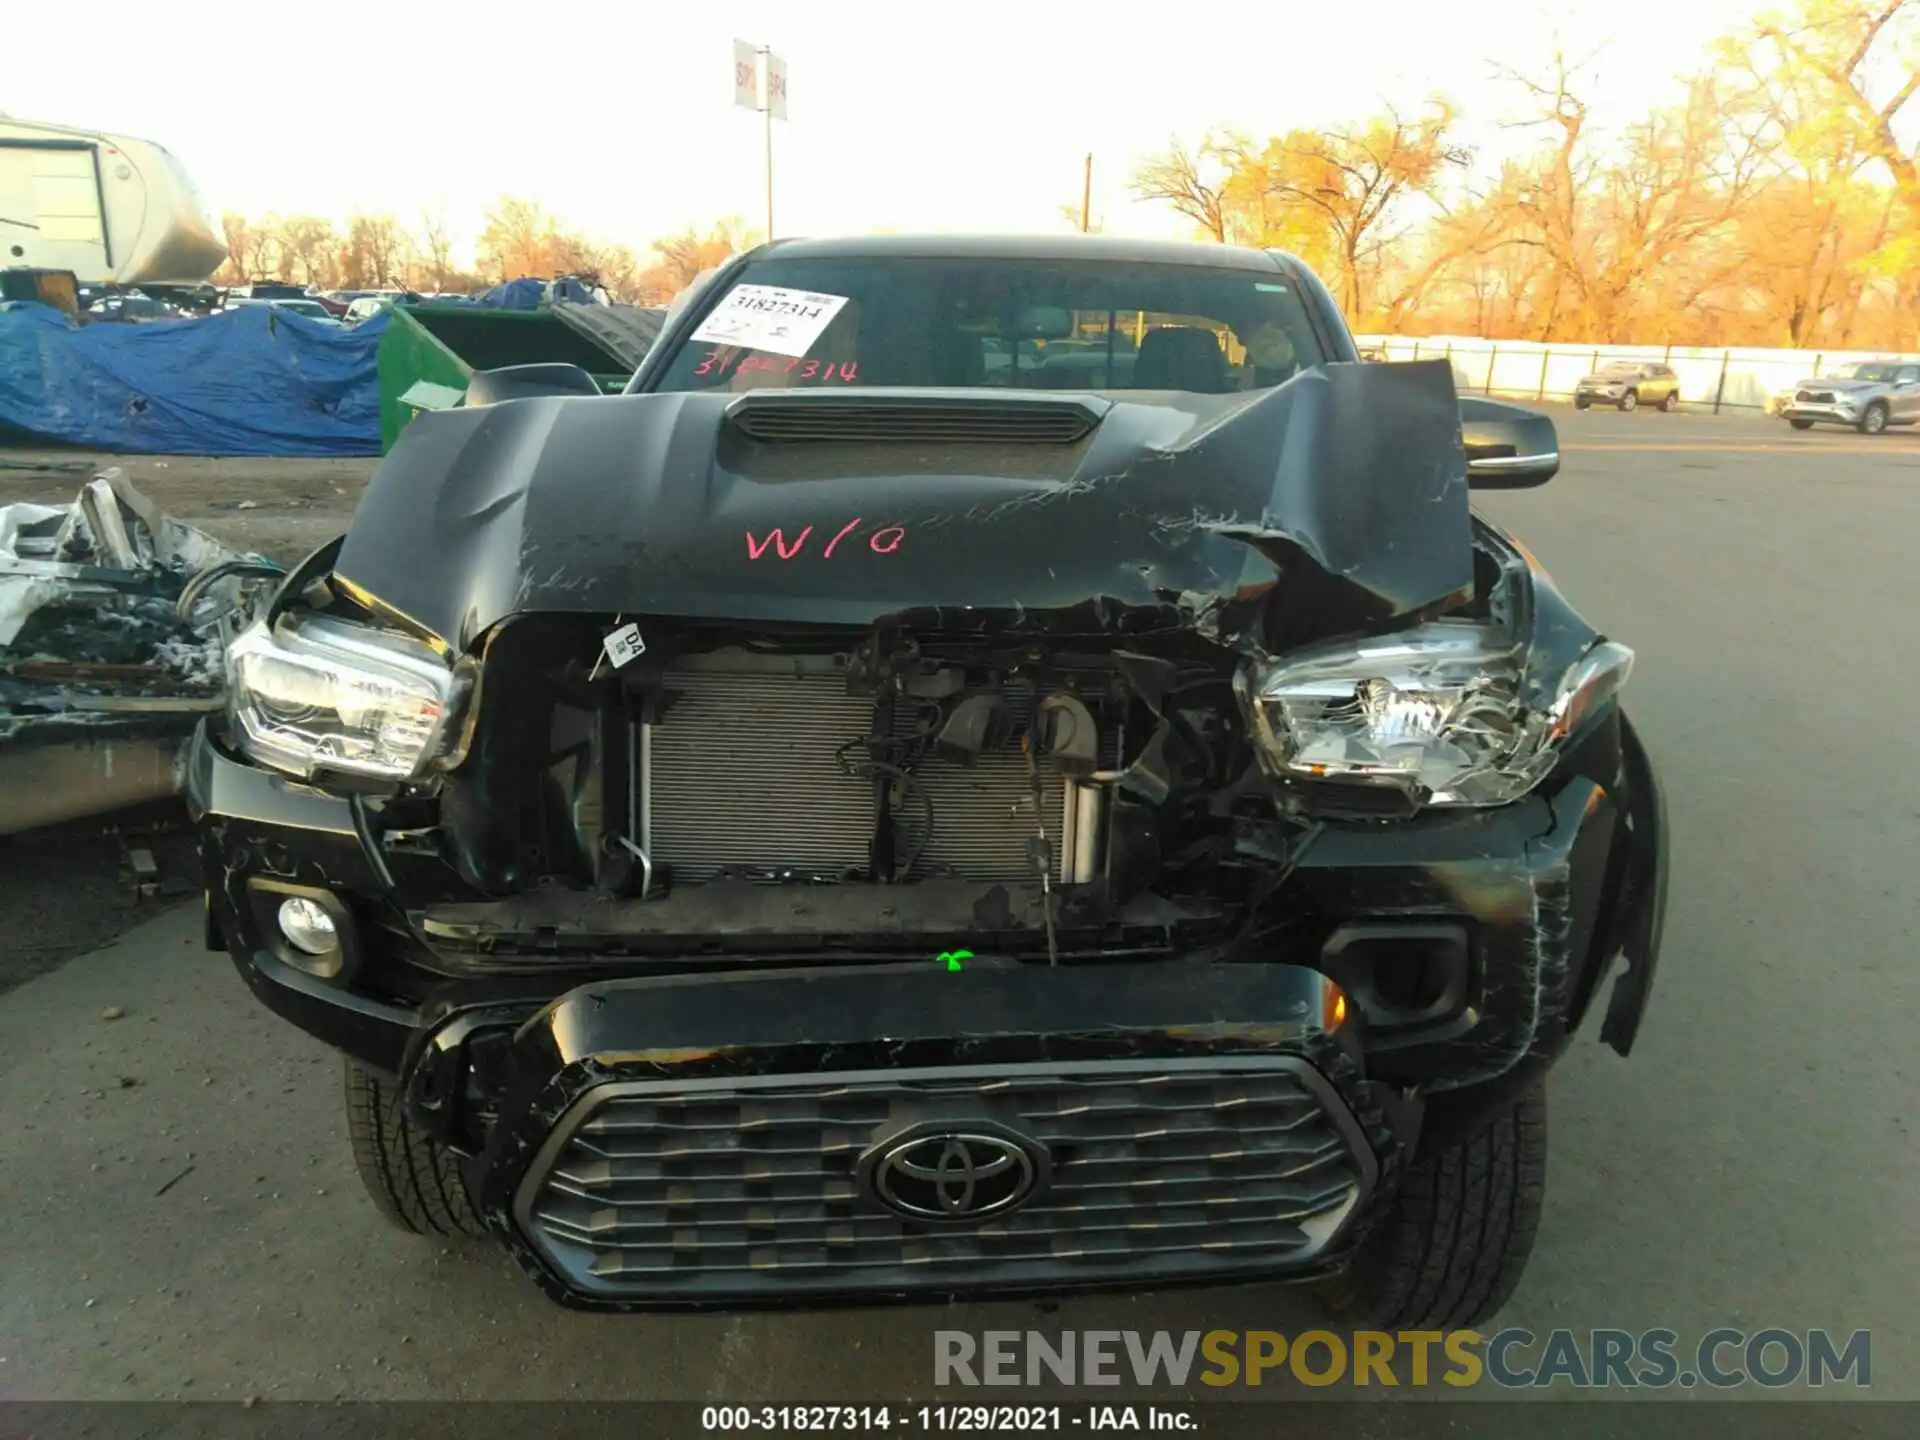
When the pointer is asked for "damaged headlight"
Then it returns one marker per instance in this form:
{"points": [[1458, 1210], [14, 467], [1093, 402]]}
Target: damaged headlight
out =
{"points": [[1438, 713], [320, 694]]}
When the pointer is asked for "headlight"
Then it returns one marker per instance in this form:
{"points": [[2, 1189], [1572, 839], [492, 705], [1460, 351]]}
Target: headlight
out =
{"points": [[321, 694], [1437, 713]]}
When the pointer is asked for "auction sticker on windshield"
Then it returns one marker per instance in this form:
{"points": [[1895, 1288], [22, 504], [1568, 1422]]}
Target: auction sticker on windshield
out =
{"points": [[767, 317]]}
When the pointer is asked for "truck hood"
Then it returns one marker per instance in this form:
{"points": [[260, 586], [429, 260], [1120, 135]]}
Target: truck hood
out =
{"points": [[848, 507]]}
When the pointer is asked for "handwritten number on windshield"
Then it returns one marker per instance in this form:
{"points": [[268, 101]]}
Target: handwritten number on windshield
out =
{"points": [[716, 363]]}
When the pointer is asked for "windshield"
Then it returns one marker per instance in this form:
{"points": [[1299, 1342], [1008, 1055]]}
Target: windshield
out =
{"points": [[1620, 367], [998, 322], [1883, 374]]}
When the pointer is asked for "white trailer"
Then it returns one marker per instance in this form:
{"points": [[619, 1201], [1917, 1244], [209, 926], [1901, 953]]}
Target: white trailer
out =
{"points": [[112, 209]]}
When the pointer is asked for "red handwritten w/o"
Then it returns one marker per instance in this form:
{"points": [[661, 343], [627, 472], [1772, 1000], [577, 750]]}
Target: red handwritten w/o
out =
{"points": [[756, 547], [883, 541]]}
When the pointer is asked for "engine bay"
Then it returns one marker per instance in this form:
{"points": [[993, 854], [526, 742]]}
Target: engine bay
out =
{"points": [[979, 782]]}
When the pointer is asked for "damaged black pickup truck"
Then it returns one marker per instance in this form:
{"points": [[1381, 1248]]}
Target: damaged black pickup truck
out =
{"points": [[995, 767]]}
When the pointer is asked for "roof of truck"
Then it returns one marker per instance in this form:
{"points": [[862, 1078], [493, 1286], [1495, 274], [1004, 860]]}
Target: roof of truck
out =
{"points": [[1031, 247]]}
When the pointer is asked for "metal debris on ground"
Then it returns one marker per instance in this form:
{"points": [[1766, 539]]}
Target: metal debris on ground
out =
{"points": [[46, 467], [114, 624], [145, 871]]}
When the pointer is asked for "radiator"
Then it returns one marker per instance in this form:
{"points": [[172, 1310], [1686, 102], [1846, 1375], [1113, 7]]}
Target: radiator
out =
{"points": [[741, 774]]}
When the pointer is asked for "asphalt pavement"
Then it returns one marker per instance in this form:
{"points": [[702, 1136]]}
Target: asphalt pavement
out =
{"points": [[181, 1219]]}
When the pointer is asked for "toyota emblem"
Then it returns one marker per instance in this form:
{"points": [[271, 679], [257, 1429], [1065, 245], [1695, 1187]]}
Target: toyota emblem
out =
{"points": [[954, 1173]]}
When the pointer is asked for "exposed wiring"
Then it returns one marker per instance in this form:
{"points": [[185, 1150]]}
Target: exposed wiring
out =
{"points": [[875, 769]]}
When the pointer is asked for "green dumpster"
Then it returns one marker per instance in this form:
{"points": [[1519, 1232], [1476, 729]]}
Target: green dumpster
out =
{"points": [[429, 351]]}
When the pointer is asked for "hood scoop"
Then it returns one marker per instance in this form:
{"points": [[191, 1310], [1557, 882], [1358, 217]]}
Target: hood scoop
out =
{"points": [[918, 417]]}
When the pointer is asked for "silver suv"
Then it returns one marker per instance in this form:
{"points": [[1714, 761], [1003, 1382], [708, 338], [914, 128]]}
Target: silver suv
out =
{"points": [[1869, 395]]}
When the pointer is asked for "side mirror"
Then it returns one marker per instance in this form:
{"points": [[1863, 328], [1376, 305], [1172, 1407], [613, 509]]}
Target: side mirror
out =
{"points": [[523, 382], [1508, 448]]}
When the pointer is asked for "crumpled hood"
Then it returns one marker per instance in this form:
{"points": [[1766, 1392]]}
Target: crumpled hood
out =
{"points": [[677, 504], [1842, 387]]}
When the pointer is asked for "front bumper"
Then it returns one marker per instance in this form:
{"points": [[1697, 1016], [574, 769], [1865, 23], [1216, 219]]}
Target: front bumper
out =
{"points": [[734, 1164], [1827, 414], [519, 1065]]}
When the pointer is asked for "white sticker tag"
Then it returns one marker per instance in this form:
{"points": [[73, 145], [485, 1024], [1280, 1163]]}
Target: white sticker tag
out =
{"points": [[767, 317], [623, 645]]}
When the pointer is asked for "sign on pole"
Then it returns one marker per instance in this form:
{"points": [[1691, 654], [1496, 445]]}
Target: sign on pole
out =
{"points": [[746, 74], [776, 86], [771, 103]]}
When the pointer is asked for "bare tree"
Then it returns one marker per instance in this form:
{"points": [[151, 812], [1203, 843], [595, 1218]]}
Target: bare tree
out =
{"points": [[1613, 225], [375, 253], [1178, 177], [1350, 182], [260, 251], [237, 234], [678, 259], [307, 249], [1466, 236], [435, 248], [519, 239], [1842, 45], [1835, 39]]}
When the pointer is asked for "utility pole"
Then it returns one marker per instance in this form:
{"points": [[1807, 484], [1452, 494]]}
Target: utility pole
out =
{"points": [[1086, 198]]}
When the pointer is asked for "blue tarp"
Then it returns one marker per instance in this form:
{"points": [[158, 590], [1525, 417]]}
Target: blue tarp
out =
{"points": [[249, 381], [528, 293]]}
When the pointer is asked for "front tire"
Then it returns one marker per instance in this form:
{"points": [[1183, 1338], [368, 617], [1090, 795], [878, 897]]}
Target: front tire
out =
{"points": [[1801, 424], [1874, 422], [1456, 1238], [1630, 400], [1581, 403], [414, 1182], [1670, 402]]}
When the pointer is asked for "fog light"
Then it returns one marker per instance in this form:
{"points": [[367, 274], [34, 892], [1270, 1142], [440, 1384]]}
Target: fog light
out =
{"points": [[1400, 975], [308, 927]]}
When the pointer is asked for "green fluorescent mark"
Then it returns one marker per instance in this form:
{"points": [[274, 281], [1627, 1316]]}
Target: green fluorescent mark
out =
{"points": [[954, 957]]}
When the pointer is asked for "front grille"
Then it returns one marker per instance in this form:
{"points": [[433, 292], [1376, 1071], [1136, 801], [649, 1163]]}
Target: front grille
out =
{"points": [[743, 775], [1816, 397], [750, 1187], [776, 419]]}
